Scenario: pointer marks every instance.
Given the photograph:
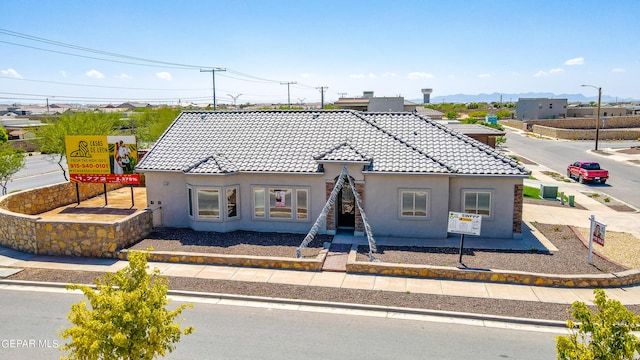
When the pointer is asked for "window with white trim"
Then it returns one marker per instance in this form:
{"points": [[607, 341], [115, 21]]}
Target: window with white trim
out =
{"points": [[232, 201], [208, 201], [414, 203], [280, 203], [477, 202]]}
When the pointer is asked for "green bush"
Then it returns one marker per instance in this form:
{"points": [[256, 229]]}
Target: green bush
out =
{"points": [[603, 334]]}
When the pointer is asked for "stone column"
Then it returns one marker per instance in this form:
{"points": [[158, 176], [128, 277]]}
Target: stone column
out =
{"points": [[330, 220], [517, 208], [359, 225]]}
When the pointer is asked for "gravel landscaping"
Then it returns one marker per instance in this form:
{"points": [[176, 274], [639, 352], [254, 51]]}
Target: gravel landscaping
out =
{"points": [[569, 259]]}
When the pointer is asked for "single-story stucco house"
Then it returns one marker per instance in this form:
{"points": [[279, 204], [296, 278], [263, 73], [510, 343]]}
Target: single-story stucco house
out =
{"points": [[273, 171]]}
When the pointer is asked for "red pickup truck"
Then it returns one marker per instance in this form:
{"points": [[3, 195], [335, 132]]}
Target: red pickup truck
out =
{"points": [[584, 171]]}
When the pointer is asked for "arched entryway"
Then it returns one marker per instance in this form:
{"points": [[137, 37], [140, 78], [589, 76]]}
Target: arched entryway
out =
{"points": [[346, 208]]}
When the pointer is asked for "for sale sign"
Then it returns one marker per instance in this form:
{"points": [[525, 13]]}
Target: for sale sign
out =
{"points": [[102, 159], [461, 223]]}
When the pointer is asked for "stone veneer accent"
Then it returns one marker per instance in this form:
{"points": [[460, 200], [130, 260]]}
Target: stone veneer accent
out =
{"points": [[22, 230], [236, 260], [359, 225], [624, 278], [518, 200], [330, 219]]}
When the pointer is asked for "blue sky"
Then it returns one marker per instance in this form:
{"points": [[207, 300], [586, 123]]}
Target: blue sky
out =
{"points": [[391, 48]]}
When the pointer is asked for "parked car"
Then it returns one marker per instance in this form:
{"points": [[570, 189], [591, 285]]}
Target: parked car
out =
{"points": [[584, 171]]}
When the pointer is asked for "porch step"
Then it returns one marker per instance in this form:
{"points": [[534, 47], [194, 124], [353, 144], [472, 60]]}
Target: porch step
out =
{"points": [[336, 260]]}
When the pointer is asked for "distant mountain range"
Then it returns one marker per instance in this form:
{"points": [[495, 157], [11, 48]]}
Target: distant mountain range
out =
{"points": [[496, 97]]}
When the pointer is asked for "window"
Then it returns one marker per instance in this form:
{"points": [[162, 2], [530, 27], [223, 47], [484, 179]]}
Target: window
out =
{"points": [[232, 202], [414, 203], [258, 203], [280, 203], [477, 202], [190, 203], [209, 203], [280, 206], [301, 201]]}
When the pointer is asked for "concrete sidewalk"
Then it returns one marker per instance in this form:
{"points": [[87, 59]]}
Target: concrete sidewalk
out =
{"points": [[616, 221], [17, 260]]}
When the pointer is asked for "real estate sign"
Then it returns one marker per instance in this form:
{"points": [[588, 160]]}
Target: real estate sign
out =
{"points": [[461, 223], [102, 159]]}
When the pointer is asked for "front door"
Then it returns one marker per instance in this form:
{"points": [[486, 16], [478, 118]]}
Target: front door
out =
{"points": [[346, 207]]}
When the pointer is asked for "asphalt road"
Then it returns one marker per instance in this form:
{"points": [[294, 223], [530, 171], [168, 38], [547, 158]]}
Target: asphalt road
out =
{"points": [[241, 332], [39, 170], [624, 179]]}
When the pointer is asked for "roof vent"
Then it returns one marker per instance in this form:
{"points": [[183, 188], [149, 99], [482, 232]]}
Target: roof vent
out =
{"points": [[203, 116], [315, 115]]}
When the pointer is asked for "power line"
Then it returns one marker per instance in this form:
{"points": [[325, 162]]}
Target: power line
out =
{"points": [[97, 86], [322, 89], [213, 76], [288, 93]]}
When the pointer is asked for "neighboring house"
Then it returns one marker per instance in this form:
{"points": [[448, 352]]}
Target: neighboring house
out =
{"points": [[370, 103], [433, 114], [133, 106], [274, 171], [541, 108], [589, 111], [483, 134]]}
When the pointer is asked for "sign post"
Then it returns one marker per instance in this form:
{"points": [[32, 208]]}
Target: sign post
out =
{"points": [[596, 234], [461, 223]]}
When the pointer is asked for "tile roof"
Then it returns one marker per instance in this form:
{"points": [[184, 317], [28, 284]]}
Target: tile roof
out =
{"points": [[208, 142]]}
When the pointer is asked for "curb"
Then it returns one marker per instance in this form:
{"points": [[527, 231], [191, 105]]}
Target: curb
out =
{"points": [[333, 305]]}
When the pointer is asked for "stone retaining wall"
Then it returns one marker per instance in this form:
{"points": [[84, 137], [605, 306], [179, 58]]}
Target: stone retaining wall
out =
{"points": [[314, 264], [22, 230], [43, 199], [625, 278]]}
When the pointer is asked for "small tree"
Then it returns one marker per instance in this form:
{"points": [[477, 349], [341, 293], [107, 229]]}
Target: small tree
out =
{"points": [[11, 161], [127, 319], [4, 137], [604, 334], [51, 137], [451, 114]]}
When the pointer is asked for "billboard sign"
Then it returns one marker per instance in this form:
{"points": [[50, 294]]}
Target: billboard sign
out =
{"points": [[102, 159]]}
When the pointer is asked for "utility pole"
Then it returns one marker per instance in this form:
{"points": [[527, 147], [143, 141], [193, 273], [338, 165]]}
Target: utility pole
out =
{"points": [[322, 89], [213, 75], [234, 100], [288, 93]]}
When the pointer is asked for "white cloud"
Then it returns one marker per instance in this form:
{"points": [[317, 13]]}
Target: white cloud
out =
{"points": [[484, 76], [419, 75], [95, 74], [357, 76], [164, 75], [575, 61], [372, 76], [63, 73], [548, 73], [12, 73], [123, 76], [306, 75], [618, 70], [389, 74]]}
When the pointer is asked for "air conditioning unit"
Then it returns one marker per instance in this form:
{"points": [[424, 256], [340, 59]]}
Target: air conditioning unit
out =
{"points": [[548, 191]]}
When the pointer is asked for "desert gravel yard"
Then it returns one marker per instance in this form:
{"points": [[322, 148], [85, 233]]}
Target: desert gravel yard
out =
{"points": [[571, 258]]}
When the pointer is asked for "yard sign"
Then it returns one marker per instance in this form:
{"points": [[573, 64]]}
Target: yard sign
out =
{"points": [[102, 159]]}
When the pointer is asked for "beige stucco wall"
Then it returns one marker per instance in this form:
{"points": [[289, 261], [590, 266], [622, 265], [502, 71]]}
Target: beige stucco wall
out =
{"points": [[167, 194]]}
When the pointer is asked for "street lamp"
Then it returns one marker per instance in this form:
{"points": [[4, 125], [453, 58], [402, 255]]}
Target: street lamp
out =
{"points": [[598, 113]]}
